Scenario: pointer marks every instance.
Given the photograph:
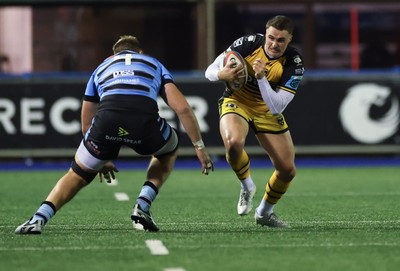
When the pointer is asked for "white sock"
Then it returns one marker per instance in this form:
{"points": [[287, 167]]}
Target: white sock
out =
{"points": [[265, 208], [247, 184]]}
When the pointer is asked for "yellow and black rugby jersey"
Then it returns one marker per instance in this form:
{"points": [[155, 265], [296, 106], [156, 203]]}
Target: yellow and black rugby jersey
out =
{"points": [[284, 72]]}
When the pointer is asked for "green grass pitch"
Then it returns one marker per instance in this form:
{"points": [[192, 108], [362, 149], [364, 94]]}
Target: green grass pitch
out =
{"points": [[341, 219]]}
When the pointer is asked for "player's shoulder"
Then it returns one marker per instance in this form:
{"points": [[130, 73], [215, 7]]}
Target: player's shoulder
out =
{"points": [[147, 57], [247, 44], [252, 39], [293, 52], [293, 56]]}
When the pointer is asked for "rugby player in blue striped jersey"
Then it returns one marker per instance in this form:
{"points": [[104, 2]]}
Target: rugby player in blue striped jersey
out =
{"points": [[120, 108]]}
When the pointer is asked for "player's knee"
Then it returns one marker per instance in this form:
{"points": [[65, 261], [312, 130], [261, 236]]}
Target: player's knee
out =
{"points": [[234, 144], [292, 173], [87, 176], [234, 149], [167, 160], [286, 173]]}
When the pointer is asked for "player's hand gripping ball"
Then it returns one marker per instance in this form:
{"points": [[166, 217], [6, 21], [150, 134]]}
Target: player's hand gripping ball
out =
{"points": [[235, 58]]}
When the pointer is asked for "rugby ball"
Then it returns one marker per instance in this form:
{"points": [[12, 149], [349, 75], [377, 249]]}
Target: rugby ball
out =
{"points": [[235, 58]]}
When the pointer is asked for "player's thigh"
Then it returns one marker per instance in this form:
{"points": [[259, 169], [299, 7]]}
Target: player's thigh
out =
{"points": [[234, 119], [87, 161], [233, 128], [170, 147]]}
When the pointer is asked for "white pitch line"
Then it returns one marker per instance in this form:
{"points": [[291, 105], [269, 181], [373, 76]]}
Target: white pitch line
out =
{"points": [[121, 196], [207, 246], [391, 223], [174, 269], [156, 247], [72, 248], [384, 223]]}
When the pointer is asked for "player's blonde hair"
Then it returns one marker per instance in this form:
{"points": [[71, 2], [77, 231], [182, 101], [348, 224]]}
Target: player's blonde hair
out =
{"points": [[127, 42]]}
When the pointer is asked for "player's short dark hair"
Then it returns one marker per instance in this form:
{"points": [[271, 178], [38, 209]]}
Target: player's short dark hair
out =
{"points": [[127, 42], [281, 23]]}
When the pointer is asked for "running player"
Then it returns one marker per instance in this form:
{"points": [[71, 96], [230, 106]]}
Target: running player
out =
{"points": [[275, 70]]}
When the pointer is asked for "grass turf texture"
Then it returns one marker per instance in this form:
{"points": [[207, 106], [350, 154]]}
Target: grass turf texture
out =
{"points": [[341, 219]]}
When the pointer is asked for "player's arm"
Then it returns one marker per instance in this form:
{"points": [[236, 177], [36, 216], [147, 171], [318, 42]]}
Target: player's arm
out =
{"points": [[276, 100], [89, 109], [177, 102], [90, 103], [215, 71]]}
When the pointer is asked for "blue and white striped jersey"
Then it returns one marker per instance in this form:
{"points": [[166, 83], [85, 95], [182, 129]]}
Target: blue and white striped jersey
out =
{"points": [[127, 73]]}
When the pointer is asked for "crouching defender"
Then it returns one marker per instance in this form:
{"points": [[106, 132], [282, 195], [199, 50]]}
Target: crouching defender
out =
{"points": [[120, 108]]}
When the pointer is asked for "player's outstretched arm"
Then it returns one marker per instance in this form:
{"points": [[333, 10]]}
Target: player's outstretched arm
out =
{"points": [[177, 102]]}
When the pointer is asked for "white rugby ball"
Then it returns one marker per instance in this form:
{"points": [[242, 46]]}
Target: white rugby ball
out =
{"points": [[236, 58]]}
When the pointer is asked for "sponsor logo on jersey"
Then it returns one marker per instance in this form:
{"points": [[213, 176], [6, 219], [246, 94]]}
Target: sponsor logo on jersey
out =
{"points": [[238, 42], [293, 82], [297, 60], [299, 71], [123, 73], [251, 38]]}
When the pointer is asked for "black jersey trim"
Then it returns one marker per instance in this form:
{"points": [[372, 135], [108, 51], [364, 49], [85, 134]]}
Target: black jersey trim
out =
{"points": [[134, 104], [127, 86], [272, 132], [143, 74], [93, 99], [111, 63], [106, 79], [144, 62]]}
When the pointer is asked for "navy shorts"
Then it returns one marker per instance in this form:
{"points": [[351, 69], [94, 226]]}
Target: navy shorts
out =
{"points": [[110, 130]]}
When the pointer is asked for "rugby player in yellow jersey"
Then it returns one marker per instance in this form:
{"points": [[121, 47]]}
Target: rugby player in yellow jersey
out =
{"points": [[275, 70]]}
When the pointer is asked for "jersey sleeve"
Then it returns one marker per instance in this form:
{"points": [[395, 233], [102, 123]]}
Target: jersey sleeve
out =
{"points": [[166, 75], [91, 94], [293, 71], [247, 44]]}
